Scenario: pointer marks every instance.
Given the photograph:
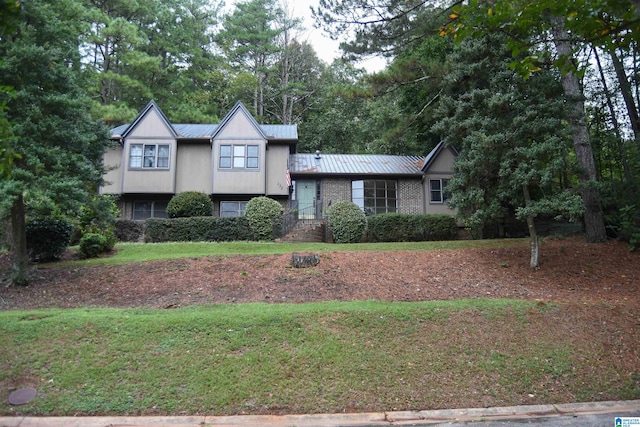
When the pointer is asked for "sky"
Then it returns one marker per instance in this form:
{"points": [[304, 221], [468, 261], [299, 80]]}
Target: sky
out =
{"points": [[326, 48]]}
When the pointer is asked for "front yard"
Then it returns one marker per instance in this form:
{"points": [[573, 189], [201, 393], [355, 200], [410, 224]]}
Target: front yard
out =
{"points": [[362, 331]]}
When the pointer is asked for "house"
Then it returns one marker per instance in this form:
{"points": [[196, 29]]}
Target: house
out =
{"points": [[238, 159]]}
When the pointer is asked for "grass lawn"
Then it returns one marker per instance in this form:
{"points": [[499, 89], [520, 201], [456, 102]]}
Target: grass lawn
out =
{"points": [[315, 358], [139, 252]]}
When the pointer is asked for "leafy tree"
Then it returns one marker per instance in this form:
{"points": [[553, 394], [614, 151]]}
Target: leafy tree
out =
{"points": [[333, 122], [59, 145], [570, 24], [510, 139]]}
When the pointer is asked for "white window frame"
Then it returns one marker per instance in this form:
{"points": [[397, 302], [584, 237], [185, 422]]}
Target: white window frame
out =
{"points": [[438, 195], [148, 156], [239, 156]]}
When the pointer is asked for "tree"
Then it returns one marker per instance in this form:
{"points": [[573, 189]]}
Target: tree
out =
{"points": [[59, 145], [9, 13], [509, 135], [570, 24], [334, 122], [151, 49], [249, 39]]}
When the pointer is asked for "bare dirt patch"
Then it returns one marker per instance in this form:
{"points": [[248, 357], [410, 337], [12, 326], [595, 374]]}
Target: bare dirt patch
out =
{"points": [[571, 270]]}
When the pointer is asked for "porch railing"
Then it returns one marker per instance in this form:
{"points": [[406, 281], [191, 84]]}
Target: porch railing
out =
{"points": [[294, 216]]}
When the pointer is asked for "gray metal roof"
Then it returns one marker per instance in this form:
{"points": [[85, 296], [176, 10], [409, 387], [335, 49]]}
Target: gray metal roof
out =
{"points": [[196, 131], [355, 164]]}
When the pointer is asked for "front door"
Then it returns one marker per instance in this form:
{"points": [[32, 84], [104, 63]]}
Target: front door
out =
{"points": [[306, 192]]}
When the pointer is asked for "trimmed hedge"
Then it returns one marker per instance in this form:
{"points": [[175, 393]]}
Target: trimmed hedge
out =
{"points": [[128, 230], [189, 204], [347, 222], [197, 229], [395, 227], [48, 238]]}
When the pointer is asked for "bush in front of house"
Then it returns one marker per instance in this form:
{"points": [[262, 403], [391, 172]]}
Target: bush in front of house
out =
{"points": [[48, 238], [396, 227], [98, 216], [189, 204], [92, 245], [265, 217], [197, 229], [128, 230], [347, 222]]}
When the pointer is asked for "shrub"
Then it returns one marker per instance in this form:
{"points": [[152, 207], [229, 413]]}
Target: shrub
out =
{"points": [[99, 214], [395, 227], [92, 245], [210, 229], [127, 230], [48, 238], [189, 204], [265, 217], [347, 222]]}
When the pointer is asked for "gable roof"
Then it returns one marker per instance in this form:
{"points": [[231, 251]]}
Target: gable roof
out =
{"points": [[434, 154], [151, 105], [239, 108], [207, 131], [355, 164]]}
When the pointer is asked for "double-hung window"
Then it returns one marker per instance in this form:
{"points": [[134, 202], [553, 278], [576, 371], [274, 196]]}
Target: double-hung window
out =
{"points": [[375, 196], [149, 156], [239, 156], [437, 189]]}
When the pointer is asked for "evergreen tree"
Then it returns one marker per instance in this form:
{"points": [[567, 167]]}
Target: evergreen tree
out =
{"points": [[59, 145], [510, 137], [249, 39]]}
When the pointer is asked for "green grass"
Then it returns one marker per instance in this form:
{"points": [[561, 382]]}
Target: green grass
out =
{"points": [[139, 252], [306, 358]]}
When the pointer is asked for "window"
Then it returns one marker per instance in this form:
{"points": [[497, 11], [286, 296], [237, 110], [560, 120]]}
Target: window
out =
{"points": [[437, 188], [145, 210], [239, 156], [232, 209], [375, 196], [149, 156]]}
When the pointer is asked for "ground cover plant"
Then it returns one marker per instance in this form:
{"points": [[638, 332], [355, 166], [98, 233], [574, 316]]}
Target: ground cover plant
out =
{"points": [[380, 327]]}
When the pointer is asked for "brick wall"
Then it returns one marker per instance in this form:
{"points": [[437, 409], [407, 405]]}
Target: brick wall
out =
{"points": [[410, 193], [334, 190], [410, 200]]}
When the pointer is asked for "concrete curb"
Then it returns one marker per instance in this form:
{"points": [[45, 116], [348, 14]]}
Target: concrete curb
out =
{"points": [[370, 419]]}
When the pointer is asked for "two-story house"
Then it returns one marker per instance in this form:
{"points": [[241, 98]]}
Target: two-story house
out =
{"points": [[238, 159]]}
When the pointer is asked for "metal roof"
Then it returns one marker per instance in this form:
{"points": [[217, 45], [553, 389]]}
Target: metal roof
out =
{"points": [[197, 131], [355, 164]]}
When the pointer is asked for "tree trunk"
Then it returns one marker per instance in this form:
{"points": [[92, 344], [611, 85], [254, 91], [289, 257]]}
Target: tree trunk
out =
{"points": [[19, 234], [533, 235], [593, 216], [627, 94], [614, 120]]}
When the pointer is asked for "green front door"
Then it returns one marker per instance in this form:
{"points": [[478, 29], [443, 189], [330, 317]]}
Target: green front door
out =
{"points": [[306, 199]]}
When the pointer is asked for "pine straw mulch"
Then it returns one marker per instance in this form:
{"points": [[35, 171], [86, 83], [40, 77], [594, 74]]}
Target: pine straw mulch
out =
{"points": [[571, 270]]}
